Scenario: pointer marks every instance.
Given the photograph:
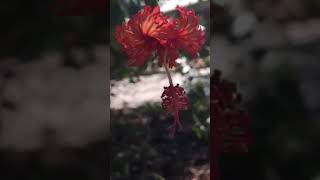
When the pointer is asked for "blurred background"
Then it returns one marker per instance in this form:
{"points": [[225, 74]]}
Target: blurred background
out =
{"points": [[141, 144], [53, 94], [271, 50]]}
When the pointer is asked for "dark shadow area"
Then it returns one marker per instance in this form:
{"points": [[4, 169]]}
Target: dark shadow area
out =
{"points": [[53, 101], [270, 49]]}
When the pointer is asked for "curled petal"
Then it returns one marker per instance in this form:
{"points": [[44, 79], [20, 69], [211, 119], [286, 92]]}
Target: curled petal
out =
{"points": [[174, 99], [153, 21], [138, 37], [190, 35], [133, 45]]}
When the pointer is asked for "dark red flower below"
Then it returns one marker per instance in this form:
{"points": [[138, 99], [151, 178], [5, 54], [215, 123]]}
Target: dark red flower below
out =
{"points": [[174, 99], [231, 124]]}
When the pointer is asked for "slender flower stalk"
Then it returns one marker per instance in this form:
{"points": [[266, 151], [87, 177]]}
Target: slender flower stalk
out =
{"points": [[174, 100], [166, 67]]}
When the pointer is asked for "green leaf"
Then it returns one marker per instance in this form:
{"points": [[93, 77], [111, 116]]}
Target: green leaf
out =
{"points": [[151, 3], [157, 176]]}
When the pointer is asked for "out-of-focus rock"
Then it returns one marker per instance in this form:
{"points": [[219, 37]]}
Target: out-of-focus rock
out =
{"points": [[280, 10], [268, 35], [306, 32], [221, 58], [243, 24], [147, 90], [47, 94]]}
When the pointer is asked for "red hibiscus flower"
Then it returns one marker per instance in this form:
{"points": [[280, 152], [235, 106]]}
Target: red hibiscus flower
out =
{"points": [[151, 33], [191, 37], [138, 37], [182, 34]]}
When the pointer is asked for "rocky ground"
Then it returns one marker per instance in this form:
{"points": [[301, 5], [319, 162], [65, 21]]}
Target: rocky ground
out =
{"points": [[44, 94]]}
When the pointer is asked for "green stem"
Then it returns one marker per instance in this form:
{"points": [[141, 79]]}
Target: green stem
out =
{"points": [[168, 73]]}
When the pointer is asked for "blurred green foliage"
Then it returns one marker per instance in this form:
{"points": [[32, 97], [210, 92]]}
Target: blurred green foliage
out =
{"points": [[142, 147], [200, 108]]}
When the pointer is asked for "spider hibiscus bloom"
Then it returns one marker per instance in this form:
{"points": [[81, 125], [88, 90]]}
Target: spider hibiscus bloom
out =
{"points": [[182, 34], [191, 36], [151, 33], [139, 37]]}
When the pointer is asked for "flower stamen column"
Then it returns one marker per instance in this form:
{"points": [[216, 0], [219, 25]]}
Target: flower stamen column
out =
{"points": [[174, 99]]}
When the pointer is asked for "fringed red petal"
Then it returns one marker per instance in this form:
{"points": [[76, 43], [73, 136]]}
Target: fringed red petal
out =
{"points": [[138, 36], [190, 35]]}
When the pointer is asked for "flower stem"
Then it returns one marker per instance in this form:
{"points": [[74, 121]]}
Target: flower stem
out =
{"points": [[166, 66], [168, 73]]}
